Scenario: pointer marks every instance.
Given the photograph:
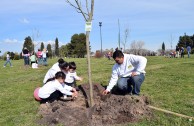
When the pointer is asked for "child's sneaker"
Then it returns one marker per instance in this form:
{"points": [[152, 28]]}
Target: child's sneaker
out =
{"points": [[65, 96]]}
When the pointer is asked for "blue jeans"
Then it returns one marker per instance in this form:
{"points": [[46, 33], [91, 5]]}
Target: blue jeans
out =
{"points": [[44, 61], [188, 54], [40, 60], [26, 60], [8, 61], [131, 84]]}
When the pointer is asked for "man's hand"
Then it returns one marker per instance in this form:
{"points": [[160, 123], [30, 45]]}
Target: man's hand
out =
{"points": [[105, 92], [133, 74]]}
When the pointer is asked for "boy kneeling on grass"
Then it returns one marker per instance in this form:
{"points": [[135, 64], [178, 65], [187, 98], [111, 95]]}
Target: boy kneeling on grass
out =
{"points": [[54, 89]]}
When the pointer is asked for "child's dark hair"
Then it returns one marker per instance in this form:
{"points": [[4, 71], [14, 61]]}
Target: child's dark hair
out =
{"points": [[62, 64], [59, 74], [72, 65]]}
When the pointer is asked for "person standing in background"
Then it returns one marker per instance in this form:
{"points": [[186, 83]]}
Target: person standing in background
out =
{"points": [[177, 51], [188, 51], [39, 55], [32, 58], [26, 54], [8, 60], [44, 57], [182, 52]]}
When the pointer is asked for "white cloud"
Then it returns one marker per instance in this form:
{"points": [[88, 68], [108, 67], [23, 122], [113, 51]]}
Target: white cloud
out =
{"points": [[10, 41], [24, 21]]}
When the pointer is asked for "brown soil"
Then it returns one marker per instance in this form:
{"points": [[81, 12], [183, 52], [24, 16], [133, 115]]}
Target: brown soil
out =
{"points": [[108, 110]]}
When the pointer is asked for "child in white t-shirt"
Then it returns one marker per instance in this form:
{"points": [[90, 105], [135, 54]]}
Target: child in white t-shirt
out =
{"points": [[71, 75], [54, 89]]}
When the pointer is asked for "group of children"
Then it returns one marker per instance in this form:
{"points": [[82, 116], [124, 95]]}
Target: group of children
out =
{"points": [[39, 58], [59, 81]]}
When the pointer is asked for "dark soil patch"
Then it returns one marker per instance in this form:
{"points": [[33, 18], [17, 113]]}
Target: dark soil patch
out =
{"points": [[108, 110]]}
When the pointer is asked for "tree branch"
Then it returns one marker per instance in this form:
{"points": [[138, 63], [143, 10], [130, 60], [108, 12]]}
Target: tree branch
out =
{"points": [[79, 9], [87, 7]]}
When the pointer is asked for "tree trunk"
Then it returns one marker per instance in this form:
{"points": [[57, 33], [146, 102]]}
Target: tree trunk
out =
{"points": [[89, 68]]}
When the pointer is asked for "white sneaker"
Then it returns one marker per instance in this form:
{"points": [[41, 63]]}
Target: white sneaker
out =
{"points": [[3, 66], [65, 96]]}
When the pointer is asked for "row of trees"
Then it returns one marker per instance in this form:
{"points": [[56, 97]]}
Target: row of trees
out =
{"points": [[75, 48]]}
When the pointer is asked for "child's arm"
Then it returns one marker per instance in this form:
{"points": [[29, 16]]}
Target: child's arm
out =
{"points": [[74, 93], [77, 77]]}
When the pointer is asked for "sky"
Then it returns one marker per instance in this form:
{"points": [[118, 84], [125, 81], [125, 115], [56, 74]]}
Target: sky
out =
{"points": [[150, 21]]}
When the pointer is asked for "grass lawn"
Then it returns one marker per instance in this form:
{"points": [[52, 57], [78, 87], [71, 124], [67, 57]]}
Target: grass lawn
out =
{"points": [[169, 84]]}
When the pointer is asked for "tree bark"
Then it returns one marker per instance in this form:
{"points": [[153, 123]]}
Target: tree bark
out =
{"points": [[89, 68]]}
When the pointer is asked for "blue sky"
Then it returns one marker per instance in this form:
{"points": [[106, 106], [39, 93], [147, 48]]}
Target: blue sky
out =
{"points": [[151, 21]]}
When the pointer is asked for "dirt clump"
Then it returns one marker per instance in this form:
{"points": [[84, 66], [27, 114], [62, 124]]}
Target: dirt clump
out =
{"points": [[108, 109]]}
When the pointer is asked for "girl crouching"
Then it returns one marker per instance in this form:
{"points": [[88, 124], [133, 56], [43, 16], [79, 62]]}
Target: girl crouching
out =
{"points": [[54, 89]]}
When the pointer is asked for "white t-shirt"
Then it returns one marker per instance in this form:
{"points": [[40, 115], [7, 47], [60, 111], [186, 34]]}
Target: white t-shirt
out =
{"points": [[44, 54], [52, 86], [51, 72], [71, 76]]}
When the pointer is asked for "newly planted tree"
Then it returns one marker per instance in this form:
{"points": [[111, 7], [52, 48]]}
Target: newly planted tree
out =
{"points": [[87, 14]]}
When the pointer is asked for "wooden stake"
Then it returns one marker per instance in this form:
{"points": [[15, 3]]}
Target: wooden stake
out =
{"points": [[174, 113]]}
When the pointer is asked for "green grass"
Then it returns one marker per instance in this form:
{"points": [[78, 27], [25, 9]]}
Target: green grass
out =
{"points": [[169, 84]]}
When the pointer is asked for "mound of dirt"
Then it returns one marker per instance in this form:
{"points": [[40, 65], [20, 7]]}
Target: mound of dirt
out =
{"points": [[108, 110]]}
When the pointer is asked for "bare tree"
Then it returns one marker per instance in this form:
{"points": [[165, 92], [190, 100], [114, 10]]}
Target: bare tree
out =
{"points": [[119, 36], [137, 47], [133, 47], [140, 45], [126, 35], [171, 40], [35, 35], [87, 14]]}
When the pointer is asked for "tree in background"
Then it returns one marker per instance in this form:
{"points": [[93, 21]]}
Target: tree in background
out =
{"points": [[49, 50], [76, 48], [163, 48], [42, 46], [12, 55], [78, 45], [28, 44], [63, 51], [126, 35], [186, 40], [137, 47], [56, 47]]}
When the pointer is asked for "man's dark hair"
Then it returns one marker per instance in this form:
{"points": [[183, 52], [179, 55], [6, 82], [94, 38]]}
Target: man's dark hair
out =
{"points": [[117, 53]]}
